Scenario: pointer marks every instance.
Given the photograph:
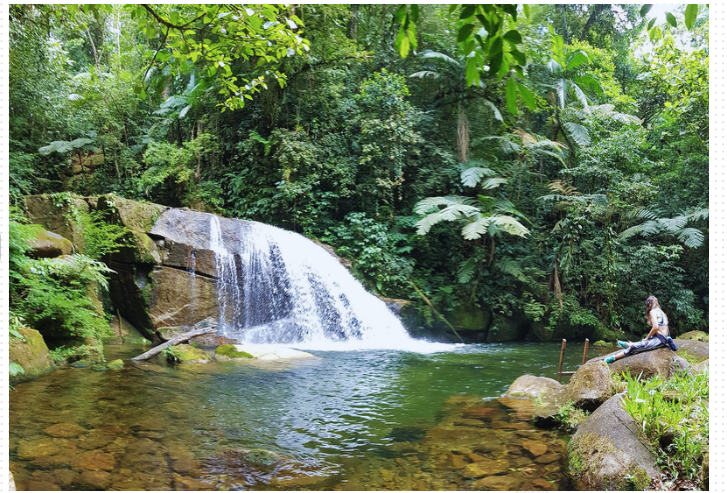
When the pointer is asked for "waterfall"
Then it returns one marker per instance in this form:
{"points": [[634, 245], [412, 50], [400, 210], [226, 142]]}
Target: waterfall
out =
{"points": [[278, 287]]}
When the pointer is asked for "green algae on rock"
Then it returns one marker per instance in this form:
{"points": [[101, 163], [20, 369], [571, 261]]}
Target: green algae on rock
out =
{"points": [[228, 352], [116, 364], [184, 353]]}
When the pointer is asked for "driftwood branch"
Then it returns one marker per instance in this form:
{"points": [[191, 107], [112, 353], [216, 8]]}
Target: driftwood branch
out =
{"points": [[426, 300], [173, 342]]}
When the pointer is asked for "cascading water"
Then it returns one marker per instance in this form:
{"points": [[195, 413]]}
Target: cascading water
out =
{"points": [[278, 287]]}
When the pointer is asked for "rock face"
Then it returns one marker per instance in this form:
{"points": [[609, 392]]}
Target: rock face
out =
{"points": [[31, 353], [47, 244], [532, 387], [663, 361], [695, 335], [606, 453], [591, 386]]}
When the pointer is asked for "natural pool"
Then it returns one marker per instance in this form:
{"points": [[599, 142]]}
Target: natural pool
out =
{"points": [[348, 420]]}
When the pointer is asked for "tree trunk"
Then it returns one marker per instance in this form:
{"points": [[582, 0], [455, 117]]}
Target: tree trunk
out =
{"points": [[173, 342], [463, 135]]}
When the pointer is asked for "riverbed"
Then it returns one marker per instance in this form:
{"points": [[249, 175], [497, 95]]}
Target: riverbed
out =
{"points": [[346, 420]]}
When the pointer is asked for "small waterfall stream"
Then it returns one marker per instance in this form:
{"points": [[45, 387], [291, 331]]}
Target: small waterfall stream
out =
{"points": [[278, 287]]}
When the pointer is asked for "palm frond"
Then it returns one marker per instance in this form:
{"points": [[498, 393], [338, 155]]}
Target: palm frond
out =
{"points": [[472, 176], [466, 270], [510, 225], [579, 94], [691, 237], [424, 205], [435, 55], [425, 73], [578, 132], [491, 183], [512, 267], [496, 113]]}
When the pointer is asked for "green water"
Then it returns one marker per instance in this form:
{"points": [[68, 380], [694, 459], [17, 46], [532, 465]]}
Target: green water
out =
{"points": [[344, 420]]}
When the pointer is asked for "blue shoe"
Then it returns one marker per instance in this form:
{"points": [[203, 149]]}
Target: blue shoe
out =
{"points": [[610, 359], [624, 345]]}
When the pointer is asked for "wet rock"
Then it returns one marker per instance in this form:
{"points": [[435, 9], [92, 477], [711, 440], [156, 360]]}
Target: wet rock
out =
{"points": [[33, 485], [183, 483], [31, 353], [476, 457], [60, 477], [535, 448], [82, 363], [530, 386], [54, 461], [186, 467], [94, 460], [487, 467], [228, 352], [94, 480], [39, 447], [144, 446], [498, 483], [480, 413], [185, 354], [523, 407], [457, 461], [591, 385], [179, 451], [606, 453], [96, 439], [116, 364], [64, 430], [99, 368], [548, 458], [543, 485]]}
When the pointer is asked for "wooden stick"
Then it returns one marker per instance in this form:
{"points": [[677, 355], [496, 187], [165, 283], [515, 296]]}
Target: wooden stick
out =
{"points": [[585, 352], [173, 342], [560, 363], [426, 300]]}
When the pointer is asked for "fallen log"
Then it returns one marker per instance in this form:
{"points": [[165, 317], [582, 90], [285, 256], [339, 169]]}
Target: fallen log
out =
{"points": [[173, 342]]}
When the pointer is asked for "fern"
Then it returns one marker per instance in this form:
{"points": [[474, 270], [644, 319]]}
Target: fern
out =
{"points": [[472, 176]]}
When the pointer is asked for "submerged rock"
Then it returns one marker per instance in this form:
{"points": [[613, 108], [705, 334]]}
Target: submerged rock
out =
{"points": [[64, 430], [607, 453], [268, 353]]}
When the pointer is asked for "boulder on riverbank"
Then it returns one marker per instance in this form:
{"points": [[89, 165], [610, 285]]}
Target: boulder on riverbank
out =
{"points": [[31, 353], [663, 362], [695, 335], [184, 353], [532, 387], [606, 452], [591, 386], [47, 244]]}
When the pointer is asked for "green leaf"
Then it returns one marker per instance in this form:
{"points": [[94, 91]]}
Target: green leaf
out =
{"points": [[651, 24], [464, 32], [579, 58], [468, 11], [511, 96], [400, 14], [671, 19], [518, 56], [558, 49], [527, 96], [645, 9], [472, 74], [526, 10], [690, 15], [513, 36], [511, 9], [496, 63], [414, 12]]}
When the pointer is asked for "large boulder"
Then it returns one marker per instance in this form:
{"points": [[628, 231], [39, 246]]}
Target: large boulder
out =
{"points": [[530, 386], [57, 214], [663, 362], [31, 353], [47, 244], [607, 453], [693, 351], [591, 385]]}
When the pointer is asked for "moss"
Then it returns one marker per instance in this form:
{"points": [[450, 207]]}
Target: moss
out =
{"points": [[184, 353], [695, 335], [636, 480], [30, 352], [116, 364], [230, 351]]}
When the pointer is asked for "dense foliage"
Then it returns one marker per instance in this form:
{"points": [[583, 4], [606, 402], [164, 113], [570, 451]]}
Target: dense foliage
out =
{"points": [[568, 142]]}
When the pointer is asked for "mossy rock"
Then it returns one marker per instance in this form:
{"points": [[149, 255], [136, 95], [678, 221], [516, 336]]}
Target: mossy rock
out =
{"points": [[31, 353], [505, 329], [81, 363], [470, 317], [602, 344], [116, 364], [47, 244], [184, 353], [135, 216], [695, 335], [228, 352], [607, 453], [99, 368]]}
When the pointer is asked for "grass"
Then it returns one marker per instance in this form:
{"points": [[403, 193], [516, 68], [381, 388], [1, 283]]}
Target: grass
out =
{"points": [[678, 406]]}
